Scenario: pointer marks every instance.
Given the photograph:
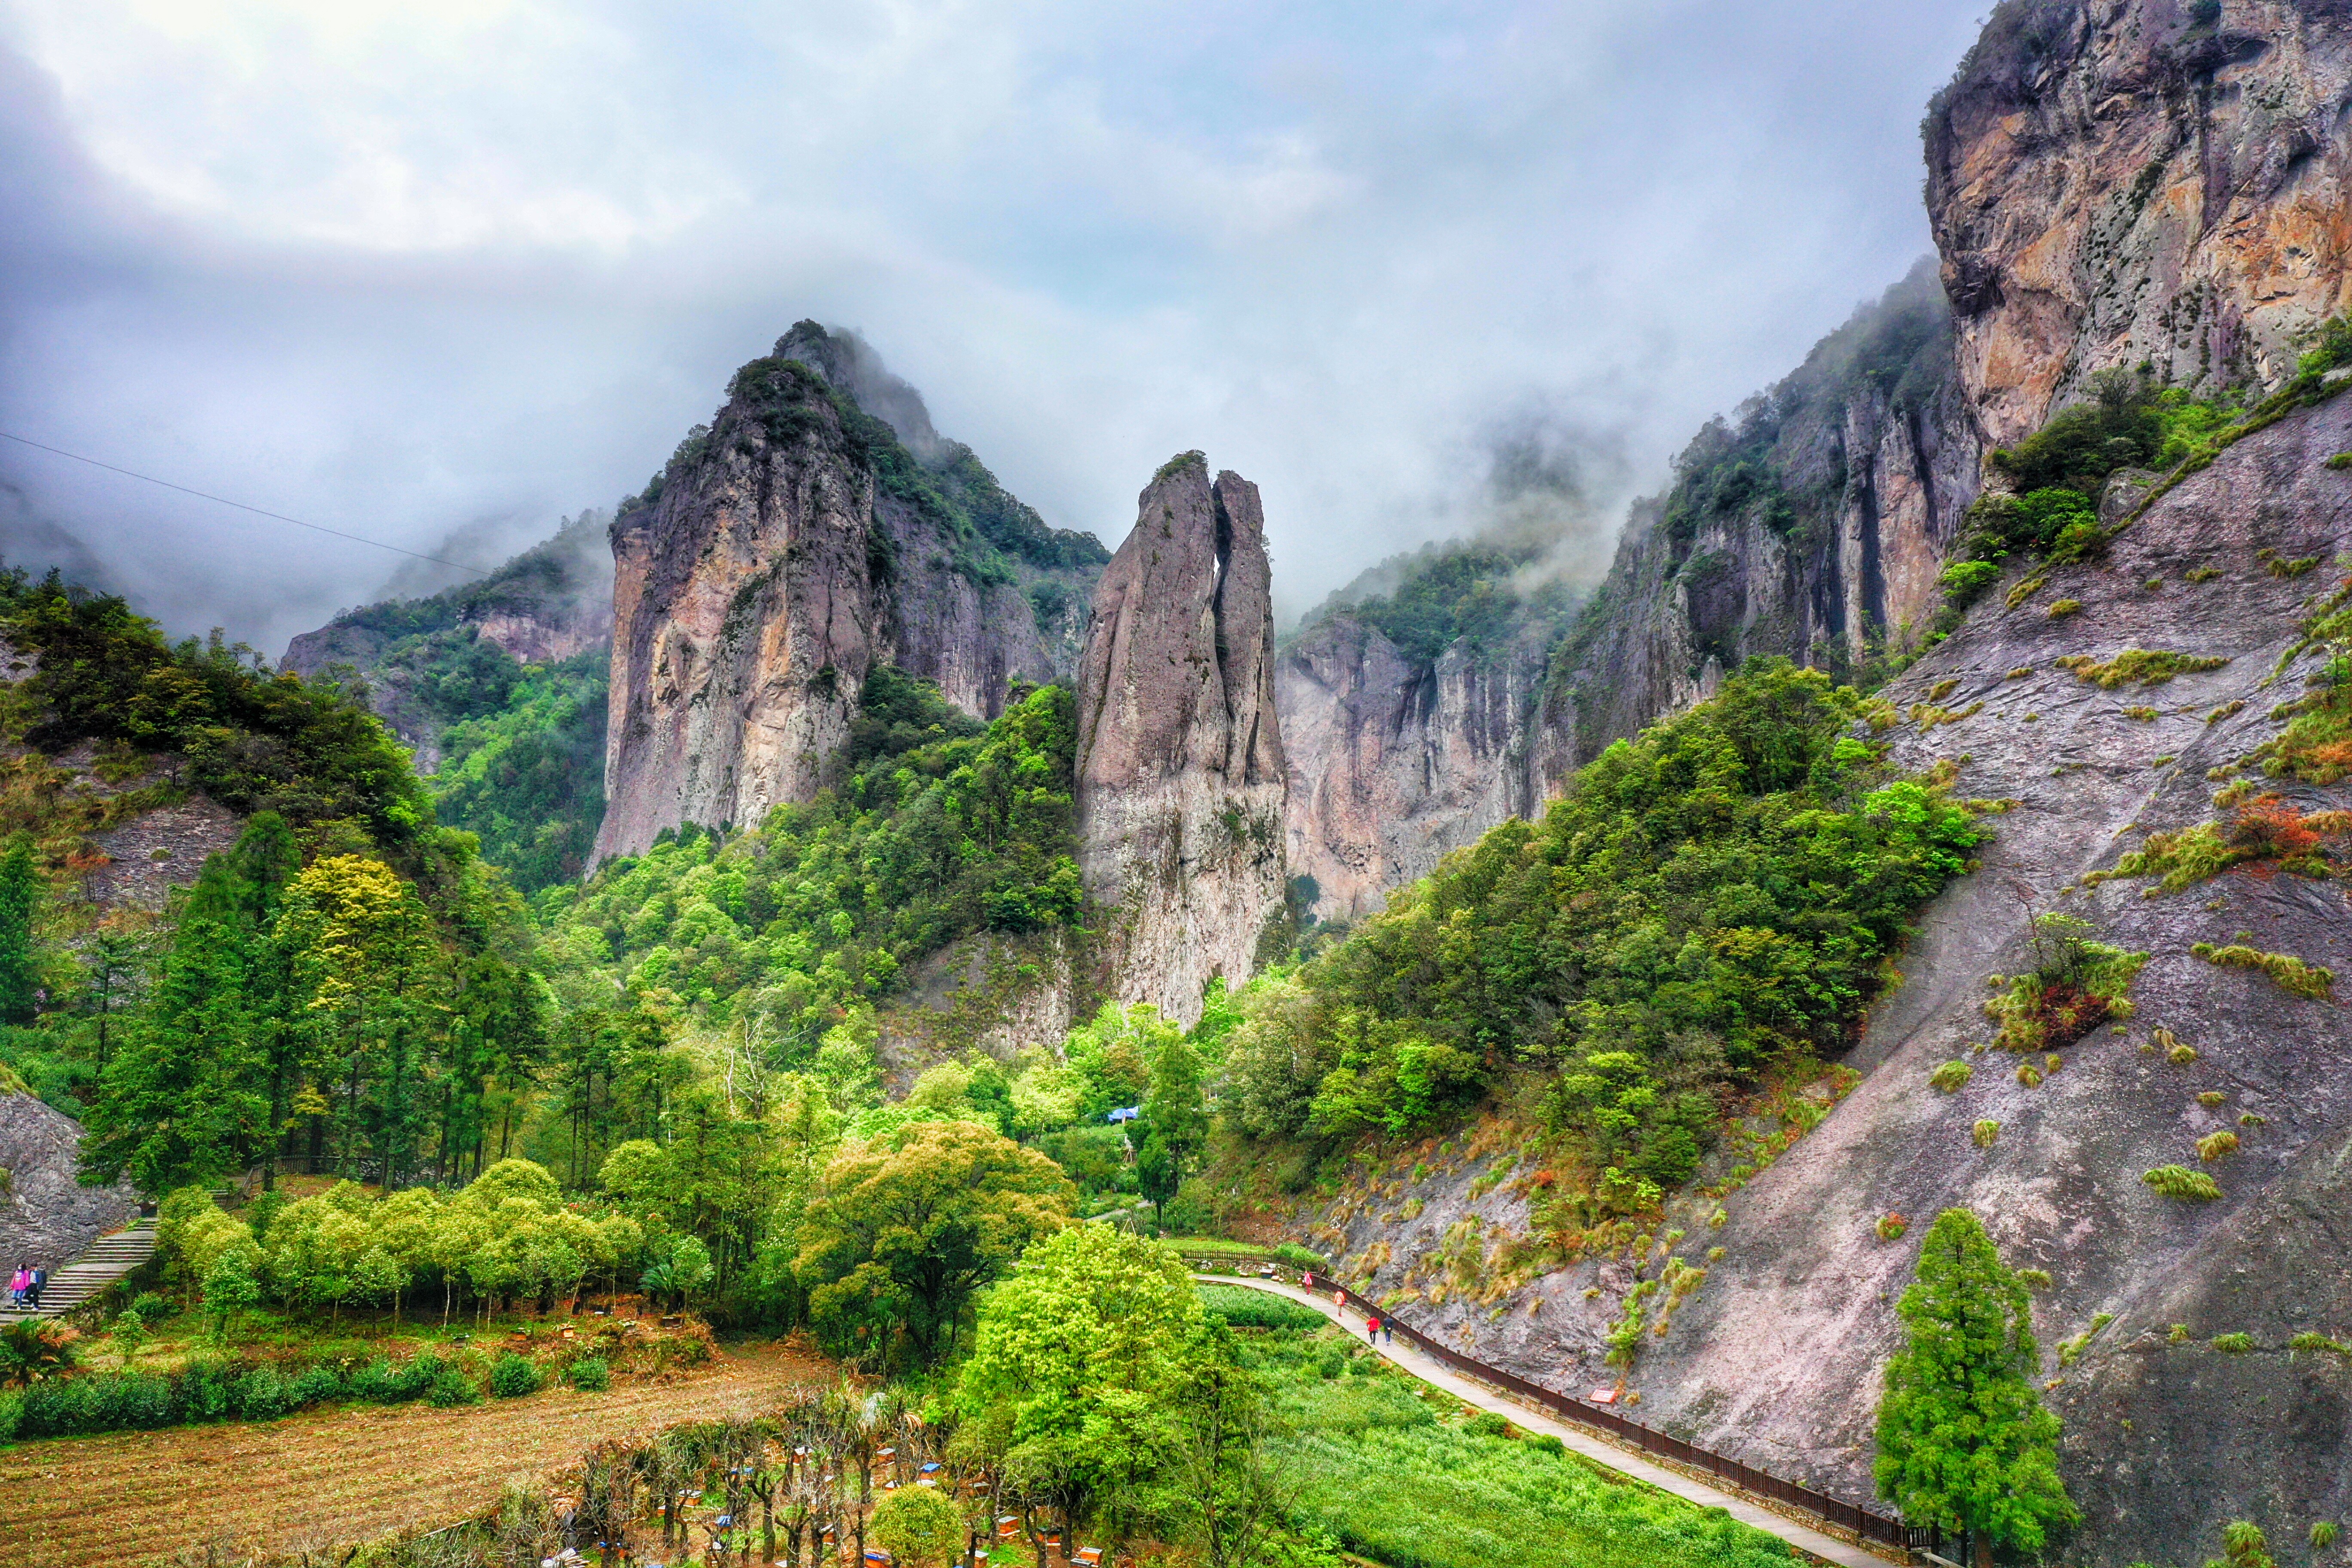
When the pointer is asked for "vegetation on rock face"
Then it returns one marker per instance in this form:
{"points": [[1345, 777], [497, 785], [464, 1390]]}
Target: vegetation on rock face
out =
{"points": [[1707, 901], [2076, 985], [1963, 1440], [2294, 976]]}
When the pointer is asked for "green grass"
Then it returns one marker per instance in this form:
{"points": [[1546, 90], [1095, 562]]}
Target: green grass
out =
{"points": [[1400, 1476], [1245, 1309]]}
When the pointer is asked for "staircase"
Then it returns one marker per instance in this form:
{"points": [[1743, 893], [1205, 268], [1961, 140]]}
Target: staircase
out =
{"points": [[104, 1261]]}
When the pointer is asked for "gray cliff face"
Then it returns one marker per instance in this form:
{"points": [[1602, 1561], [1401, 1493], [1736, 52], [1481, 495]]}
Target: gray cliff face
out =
{"points": [[1778, 1356], [775, 567], [1181, 772], [1813, 527], [1395, 762], [2120, 182]]}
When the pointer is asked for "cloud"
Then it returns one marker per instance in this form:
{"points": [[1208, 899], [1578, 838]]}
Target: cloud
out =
{"points": [[402, 270]]}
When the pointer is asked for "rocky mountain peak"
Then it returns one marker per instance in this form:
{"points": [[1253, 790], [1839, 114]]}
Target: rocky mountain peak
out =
{"points": [[1180, 772]]}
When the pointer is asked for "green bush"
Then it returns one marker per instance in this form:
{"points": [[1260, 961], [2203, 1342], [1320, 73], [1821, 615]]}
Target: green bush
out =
{"points": [[1243, 1308], [151, 1309], [451, 1386], [592, 1374], [511, 1377], [1486, 1424], [319, 1386]]}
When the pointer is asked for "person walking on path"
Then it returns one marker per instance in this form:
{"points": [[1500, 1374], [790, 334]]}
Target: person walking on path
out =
{"points": [[1388, 1333], [1372, 1329], [39, 1283], [18, 1284]]}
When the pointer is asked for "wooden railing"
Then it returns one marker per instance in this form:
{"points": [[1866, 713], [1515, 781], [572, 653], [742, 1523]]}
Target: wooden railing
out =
{"points": [[1866, 1524]]}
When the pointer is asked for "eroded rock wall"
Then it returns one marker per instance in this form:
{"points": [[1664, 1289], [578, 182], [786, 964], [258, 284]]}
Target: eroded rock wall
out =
{"points": [[775, 567], [2114, 183], [1813, 526], [1394, 760], [1180, 771]]}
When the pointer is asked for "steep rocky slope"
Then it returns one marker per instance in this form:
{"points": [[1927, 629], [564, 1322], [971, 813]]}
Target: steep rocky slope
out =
{"points": [[47, 1215], [816, 528], [1180, 774], [1813, 525], [2120, 182], [1777, 1355], [1396, 759]]}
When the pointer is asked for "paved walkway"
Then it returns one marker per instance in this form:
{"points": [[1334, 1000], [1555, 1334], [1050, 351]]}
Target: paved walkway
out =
{"points": [[1828, 1548]]}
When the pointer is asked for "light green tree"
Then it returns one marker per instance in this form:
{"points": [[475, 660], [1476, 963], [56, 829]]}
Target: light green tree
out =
{"points": [[1175, 1121], [230, 1289], [1963, 1440], [903, 1230], [918, 1527], [1078, 1362]]}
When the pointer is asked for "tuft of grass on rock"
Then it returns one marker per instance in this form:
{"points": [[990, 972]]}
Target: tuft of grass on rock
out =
{"points": [[2183, 1185]]}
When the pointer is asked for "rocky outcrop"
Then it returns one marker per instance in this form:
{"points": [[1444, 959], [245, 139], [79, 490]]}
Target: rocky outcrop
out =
{"points": [[1779, 1355], [47, 1215], [1180, 774], [788, 549], [1395, 761], [2114, 183], [1813, 526]]}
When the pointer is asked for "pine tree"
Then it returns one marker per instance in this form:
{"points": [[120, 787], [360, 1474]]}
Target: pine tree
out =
{"points": [[179, 1104], [1963, 1441], [263, 864], [19, 886]]}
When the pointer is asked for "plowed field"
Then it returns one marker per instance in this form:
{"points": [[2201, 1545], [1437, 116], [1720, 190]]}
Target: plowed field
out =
{"points": [[339, 1475]]}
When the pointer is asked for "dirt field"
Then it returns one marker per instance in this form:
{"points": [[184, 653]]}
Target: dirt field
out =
{"points": [[344, 1475]]}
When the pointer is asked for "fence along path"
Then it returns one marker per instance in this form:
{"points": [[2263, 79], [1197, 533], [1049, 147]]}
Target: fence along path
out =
{"points": [[1543, 1412]]}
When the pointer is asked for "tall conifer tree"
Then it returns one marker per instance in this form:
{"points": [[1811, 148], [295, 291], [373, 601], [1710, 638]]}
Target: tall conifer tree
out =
{"points": [[19, 887], [1963, 1441]]}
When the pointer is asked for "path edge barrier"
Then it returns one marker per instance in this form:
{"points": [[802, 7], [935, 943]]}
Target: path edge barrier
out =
{"points": [[1867, 1525]]}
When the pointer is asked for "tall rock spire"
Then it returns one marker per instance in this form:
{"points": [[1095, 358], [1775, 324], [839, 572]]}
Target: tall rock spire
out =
{"points": [[1180, 775]]}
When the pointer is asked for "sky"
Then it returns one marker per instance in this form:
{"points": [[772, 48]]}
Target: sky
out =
{"points": [[443, 272]]}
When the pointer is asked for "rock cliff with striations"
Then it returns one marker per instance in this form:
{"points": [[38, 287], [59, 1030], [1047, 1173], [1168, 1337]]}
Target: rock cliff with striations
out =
{"points": [[1180, 772], [2114, 183], [1395, 758], [817, 528]]}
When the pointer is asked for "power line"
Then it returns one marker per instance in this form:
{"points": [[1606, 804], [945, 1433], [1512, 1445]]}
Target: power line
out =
{"points": [[257, 511]]}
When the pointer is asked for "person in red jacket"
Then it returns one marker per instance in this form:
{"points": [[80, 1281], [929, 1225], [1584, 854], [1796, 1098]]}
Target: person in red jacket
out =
{"points": [[1372, 1329]]}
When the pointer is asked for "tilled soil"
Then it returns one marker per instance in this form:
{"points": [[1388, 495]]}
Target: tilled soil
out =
{"points": [[343, 1475]]}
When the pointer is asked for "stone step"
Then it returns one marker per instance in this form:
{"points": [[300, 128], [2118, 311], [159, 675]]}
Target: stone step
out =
{"points": [[100, 1264]]}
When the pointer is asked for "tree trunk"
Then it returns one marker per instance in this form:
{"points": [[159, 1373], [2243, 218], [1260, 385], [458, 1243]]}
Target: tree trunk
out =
{"points": [[1981, 1543]]}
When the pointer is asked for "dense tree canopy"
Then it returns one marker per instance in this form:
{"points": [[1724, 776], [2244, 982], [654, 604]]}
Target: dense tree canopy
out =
{"points": [[902, 1232]]}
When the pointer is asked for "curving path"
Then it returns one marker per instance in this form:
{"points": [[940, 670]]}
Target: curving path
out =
{"points": [[1812, 1542]]}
